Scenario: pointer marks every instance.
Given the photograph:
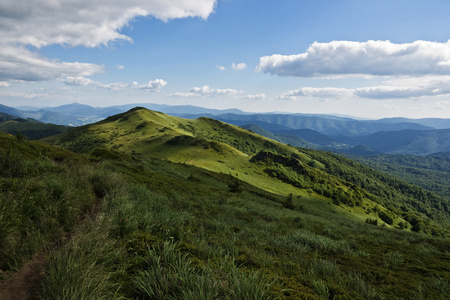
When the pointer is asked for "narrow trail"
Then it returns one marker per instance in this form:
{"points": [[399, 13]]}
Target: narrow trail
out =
{"points": [[25, 283]]}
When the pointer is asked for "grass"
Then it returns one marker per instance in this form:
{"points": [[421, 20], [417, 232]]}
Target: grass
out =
{"points": [[166, 228]]}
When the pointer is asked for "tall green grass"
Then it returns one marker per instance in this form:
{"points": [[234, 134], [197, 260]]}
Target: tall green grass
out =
{"points": [[39, 200]]}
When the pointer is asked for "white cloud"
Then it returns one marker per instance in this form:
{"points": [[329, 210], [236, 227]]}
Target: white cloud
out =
{"points": [[378, 58], [254, 97], [154, 85], [4, 84], [80, 81], [401, 88], [326, 92], [120, 67], [239, 66], [206, 91], [18, 63], [390, 92], [86, 22], [221, 68]]}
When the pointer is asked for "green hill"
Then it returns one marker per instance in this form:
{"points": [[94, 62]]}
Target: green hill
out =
{"points": [[29, 128], [228, 149], [158, 207]]}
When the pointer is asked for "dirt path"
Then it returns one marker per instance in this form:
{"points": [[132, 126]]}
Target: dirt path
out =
{"points": [[23, 284]]}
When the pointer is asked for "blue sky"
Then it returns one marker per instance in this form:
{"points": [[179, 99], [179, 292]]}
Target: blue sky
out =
{"points": [[369, 59]]}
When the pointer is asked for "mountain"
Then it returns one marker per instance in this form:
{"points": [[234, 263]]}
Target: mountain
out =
{"points": [[9, 110], [329, 125], [332, 133], [76, 114], [430, 122], [180, 109], [221, 147], [414, 142], [81, 110], [49, 116], [28, 128], [310, 135], [156, 206], [286, 139], [442, 154]]}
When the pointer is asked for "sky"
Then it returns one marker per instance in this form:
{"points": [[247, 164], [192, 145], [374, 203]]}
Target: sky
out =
{"points": [[368, 59]]}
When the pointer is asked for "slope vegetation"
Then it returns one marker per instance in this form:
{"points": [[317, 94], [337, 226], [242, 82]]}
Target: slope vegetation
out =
{"points": [[28, 128], [199, 209], [228, 149]]}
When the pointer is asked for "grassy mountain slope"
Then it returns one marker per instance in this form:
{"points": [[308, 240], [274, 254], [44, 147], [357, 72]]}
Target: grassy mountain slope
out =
{"points": [[228, 149], [163, 229], [30, 128]]}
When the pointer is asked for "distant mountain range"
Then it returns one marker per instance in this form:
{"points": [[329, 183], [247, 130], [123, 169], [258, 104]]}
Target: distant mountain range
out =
{"points": [[76, 114], [326, 132]]}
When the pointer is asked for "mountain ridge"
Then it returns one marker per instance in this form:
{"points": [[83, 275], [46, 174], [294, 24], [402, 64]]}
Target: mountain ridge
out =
{"points": [[208, 143], [159, 205]]}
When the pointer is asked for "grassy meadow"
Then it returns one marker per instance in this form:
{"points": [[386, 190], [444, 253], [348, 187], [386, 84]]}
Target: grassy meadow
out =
{"points": [[148, 206]]}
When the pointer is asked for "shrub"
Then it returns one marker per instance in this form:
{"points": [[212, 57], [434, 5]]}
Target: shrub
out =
{"points": [[372, 221], [288, 202], [386, 217]]}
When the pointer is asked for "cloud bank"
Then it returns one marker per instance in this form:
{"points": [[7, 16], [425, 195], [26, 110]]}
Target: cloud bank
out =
{"points": [[85, 22], [18, 63], [206, 91], [394, 89], [88, 23], [152, 85], [376, 58]]}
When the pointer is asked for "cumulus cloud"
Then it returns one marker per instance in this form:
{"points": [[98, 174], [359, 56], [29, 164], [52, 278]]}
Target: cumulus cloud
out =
{"points": [[80, 81], [88, 23], [393, 89], [4, 84], [326, 92], [120, 67], [18, 63], [207, 91], [239, 66], [152, 85], [390, 92], [377, 58], [221, 68], [255, 97], [156, 84], [85, 22]]}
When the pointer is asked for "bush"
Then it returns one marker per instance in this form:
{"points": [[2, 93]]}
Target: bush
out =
{"points": [[386, 217], [288, 202], [372, 221]]}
